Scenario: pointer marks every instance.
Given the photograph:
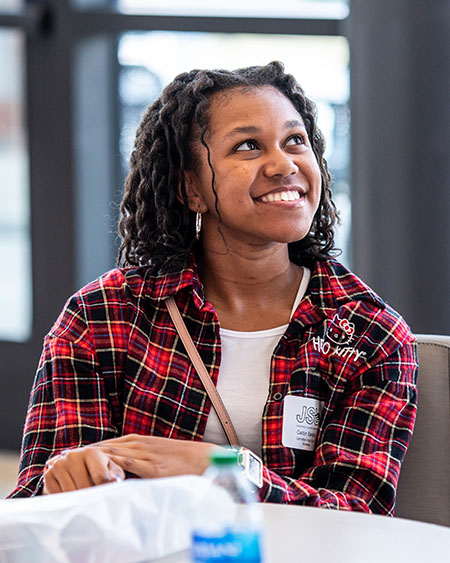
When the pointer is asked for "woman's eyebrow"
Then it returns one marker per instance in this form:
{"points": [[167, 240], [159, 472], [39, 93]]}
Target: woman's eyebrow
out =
{"points": [[253, 130], [294, 123], [246, 130]]}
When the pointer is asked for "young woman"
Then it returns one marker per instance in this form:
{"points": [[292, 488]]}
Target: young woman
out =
{"points": [[227, 209]]}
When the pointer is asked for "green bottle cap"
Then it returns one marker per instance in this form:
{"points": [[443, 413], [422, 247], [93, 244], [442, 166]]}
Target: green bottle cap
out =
{"points": [[224, 456]]}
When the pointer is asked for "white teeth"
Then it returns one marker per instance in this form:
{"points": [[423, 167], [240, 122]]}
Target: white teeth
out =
{"points": [[289, 195]]}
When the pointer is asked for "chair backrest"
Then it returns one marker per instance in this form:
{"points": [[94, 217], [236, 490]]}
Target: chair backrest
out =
{"points": [[424, 486]]}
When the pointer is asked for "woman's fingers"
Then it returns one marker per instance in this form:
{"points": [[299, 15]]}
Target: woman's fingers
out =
{"points": [[133, 451], [116, 472], [51, 484], [135, 459], [65, 481], [124, 439], [142, 468], [79, 469], [56, 477], [75, 465], [161, 457], [102, 469]]}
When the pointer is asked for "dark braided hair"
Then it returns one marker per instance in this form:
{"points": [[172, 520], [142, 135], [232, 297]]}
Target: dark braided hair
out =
{"points": [[156, 228]]}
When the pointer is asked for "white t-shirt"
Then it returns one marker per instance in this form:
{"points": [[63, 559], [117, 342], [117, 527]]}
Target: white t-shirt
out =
{"points": [[244, 377]]}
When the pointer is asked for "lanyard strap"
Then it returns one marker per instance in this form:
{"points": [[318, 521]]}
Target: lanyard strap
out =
{"points": [[202, 372]]}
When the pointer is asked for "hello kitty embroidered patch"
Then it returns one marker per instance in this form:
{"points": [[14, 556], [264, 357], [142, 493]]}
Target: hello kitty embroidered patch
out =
{"points": [[338, 336], [340, 331]]}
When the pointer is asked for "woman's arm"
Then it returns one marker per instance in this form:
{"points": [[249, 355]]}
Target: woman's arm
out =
{"points": [[71, 404]]}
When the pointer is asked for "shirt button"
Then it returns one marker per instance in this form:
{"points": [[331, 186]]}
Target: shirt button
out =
{"points": [[278, 396]]}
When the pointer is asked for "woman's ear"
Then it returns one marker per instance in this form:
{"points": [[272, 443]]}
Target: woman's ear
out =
{"points": [[193, 193]]}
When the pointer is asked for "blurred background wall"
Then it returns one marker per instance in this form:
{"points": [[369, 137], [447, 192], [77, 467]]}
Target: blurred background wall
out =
{"points": [[400, 107], [75, 77]]}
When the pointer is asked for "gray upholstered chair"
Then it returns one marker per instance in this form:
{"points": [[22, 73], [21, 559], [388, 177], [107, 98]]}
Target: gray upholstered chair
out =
{"points": [[424, 484]]}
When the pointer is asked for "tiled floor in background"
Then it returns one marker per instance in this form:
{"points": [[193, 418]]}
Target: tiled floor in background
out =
{"points": [[9, 462]]}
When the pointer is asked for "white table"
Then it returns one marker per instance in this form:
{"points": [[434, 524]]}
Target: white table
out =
{"points": [[298, 534], [86, 524]]}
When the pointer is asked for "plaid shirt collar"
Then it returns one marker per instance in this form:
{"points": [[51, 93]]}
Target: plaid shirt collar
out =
{"points": [[162, 286], [330, 287]]}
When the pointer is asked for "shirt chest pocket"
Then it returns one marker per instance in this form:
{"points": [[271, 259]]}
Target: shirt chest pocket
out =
{"points": [[308, 382]]}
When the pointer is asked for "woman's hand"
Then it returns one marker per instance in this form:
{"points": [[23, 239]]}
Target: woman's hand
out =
{"points": [[151, 456], [144, 456], [78, 469]]}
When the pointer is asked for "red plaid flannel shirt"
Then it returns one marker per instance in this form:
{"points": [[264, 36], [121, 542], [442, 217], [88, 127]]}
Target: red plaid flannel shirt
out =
{"points": [[113, 364]]}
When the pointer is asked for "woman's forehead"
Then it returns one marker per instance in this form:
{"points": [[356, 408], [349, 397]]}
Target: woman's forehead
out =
{"points": [[246, 105]]}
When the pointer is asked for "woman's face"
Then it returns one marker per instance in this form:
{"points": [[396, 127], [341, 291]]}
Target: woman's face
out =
{"points": [[267, 178]]}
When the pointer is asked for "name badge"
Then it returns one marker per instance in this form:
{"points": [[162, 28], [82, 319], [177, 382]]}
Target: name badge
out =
{"points": [[301, 417]]}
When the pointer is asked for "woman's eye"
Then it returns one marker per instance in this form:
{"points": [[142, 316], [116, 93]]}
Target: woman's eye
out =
{"points": [[247, 146], [295, 140]]}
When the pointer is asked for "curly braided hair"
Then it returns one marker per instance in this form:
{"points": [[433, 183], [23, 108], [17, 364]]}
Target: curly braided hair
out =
{"points": [[156, 228]]}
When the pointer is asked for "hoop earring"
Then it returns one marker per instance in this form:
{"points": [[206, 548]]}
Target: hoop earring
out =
{"points": [[198, 225]]}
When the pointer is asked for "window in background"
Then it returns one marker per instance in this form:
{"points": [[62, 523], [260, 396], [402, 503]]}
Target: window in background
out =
{"points": [[15, 243], [239, 8], [148, 61], [10, 5]]}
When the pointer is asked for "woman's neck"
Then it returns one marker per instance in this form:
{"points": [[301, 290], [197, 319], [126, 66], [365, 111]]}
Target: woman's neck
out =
{"points": [[250, 290]]}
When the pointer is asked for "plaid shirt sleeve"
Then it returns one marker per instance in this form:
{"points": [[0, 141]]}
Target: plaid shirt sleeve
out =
{"points": [[361, 444], [72, 403]]}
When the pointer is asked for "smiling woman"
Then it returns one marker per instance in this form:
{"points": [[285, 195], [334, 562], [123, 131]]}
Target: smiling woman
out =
{"points": [[228, 213]]}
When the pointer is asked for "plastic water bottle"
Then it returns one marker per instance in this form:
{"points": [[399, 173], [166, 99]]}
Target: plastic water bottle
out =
{"points": [[238, 535]]}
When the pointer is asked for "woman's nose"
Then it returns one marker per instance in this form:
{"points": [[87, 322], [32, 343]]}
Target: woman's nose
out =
{"points": [[279, 163]]}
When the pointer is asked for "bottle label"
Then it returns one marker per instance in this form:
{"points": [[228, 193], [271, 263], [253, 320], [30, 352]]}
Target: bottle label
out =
{"points": [[231, 546]]}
